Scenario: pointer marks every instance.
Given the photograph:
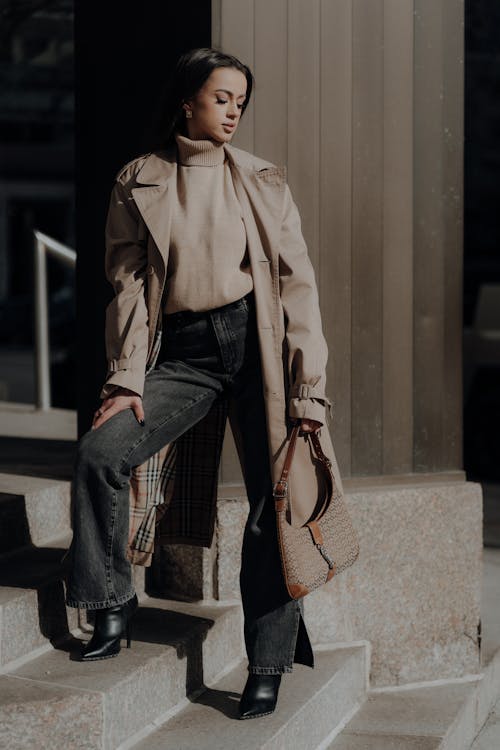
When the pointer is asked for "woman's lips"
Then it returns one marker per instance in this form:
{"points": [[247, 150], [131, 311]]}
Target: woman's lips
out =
{"points": [[228, 125]]}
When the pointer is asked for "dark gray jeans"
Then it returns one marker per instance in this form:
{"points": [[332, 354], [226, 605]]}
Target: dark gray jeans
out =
{"points": [[202, 356]]}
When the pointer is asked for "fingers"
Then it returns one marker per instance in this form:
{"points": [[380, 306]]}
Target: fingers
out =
{"points": [[113, 405], [98, 414], [310, 425], [139, 412], [103, 413]]}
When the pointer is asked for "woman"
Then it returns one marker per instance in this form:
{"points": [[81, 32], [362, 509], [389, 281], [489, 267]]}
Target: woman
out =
{"points": [[235, 291]]}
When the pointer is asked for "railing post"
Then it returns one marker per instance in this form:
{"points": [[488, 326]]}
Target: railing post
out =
{"points": [[43, 245], [41, 325]]}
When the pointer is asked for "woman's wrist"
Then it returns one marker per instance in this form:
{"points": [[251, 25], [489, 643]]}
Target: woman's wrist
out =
{"points": [[121, 390], [310, 425]]}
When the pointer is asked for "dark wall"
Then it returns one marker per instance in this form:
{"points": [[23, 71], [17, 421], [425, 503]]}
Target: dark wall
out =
{"points": [[481, 237], [481, 150], [123, 51], [36, 188]]}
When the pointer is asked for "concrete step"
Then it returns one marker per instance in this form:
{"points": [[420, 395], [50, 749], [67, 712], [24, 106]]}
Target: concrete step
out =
{"points": [[453, 715], [31, 620], [488, 701], [33, 613], [24, 420], [57, 701], [419, 718], [33, 510], [311, 703], [489, 736]]}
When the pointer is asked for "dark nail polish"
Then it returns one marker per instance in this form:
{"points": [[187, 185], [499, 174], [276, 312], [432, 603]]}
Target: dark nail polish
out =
{"points": [[141, 422]]}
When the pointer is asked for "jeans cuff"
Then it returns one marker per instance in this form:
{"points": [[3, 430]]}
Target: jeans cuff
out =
{"points": [[100, 605], [269, 670]]}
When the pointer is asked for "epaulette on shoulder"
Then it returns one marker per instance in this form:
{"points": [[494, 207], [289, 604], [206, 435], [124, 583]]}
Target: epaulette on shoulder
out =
{"points": [[250, 159], [131, 166]]}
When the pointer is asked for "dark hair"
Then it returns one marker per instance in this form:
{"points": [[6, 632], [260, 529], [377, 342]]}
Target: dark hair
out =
{"points": [[190, 73]]}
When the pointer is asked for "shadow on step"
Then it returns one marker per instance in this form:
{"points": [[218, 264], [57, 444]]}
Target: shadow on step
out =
{"points": [[224, 701], [39, 569], [51, 459], [181, 631], [14, 526], [156, 624], [184, 632], [31, 566]]}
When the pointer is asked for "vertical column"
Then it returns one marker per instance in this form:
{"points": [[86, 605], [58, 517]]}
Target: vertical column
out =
{"points": [[362, 100], [397, 222], [270, 70], [453, 176], [303, 117], [367, 237], [237, 37], [335, 190], [438, 129]]}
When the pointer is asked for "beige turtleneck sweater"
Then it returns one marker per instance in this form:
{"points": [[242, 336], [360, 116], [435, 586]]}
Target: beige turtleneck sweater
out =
{"points": [[208, 262]]}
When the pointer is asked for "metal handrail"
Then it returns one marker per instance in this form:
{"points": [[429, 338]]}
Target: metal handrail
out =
{"points": [[44, 244]]}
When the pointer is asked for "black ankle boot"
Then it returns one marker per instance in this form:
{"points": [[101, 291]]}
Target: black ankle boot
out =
{"points": [[109, 627], [260, 695]]}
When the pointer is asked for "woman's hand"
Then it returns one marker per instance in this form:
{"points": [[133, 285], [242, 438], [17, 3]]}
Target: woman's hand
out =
{"points": [[310, 425], [121, 398]]}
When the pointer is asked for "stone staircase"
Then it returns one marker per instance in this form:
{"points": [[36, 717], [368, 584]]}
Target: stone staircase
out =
{"points": [[48, 697], [181, 651], [179, 684]]}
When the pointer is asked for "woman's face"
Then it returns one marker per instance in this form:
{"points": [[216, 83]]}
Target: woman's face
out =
{"points": [[217, 106]]}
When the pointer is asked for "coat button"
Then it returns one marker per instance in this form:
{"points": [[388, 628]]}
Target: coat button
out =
{"points": [[151, 269]]}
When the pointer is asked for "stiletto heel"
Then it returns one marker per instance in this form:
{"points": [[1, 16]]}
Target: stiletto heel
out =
{"points": [[111, 624]]}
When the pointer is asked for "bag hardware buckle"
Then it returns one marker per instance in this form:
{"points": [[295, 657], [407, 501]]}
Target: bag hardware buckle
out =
{"points": [[277, 492], [325, 555]]}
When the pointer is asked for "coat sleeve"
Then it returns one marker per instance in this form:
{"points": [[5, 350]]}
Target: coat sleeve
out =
{"points": [[125, 264], [306, 344]]}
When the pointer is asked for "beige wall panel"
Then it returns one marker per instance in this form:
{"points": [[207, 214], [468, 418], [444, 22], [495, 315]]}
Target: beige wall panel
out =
{"points": [[367, 237], [270, 71], [334, 280], [453, 102], [397, 313], [429, 267], [303, 117], [236, 33]]}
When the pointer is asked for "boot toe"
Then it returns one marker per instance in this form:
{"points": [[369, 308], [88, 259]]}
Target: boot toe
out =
{"points": [[98, 649], [260, 696]]}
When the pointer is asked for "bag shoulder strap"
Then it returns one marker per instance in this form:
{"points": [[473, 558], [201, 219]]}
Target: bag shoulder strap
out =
{"points": [[280, 489]]}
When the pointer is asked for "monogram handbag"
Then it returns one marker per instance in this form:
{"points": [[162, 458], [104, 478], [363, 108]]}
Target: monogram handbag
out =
{"points": [[327, 543]]}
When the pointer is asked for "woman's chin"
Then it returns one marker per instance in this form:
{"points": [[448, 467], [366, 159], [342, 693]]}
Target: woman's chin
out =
{"points": [[227, 134]]}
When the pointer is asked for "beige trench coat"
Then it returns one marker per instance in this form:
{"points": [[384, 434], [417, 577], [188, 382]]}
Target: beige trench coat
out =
{"points": [[172, 496]]}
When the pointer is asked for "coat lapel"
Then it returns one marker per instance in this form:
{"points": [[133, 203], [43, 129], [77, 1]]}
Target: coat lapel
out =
{"points": [[156, 180], [260, 193]]}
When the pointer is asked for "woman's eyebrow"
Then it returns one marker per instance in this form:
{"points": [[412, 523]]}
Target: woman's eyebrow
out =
{"points": [[226, 91]]}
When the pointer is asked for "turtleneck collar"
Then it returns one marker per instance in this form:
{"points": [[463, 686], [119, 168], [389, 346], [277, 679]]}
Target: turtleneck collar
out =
{"points": [[201, 152]]}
